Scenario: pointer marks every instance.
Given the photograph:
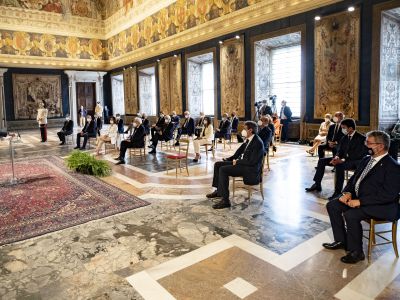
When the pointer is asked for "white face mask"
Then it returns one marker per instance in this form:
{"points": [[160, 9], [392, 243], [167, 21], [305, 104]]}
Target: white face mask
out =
{"points": [[259, 123], [111, 122], [186, 116], [244, 133], [68, 118], [223, 119], [89, 120], [344, 130], [335, 119], [205, 122], [327, 120], [134, 125]]}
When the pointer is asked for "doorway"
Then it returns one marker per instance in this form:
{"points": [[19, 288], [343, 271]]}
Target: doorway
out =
{"points": [[86, 97], [117, 88]]}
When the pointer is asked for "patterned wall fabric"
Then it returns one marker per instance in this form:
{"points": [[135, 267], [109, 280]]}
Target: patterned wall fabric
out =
{"points": [[48, 45], [170, 84], [261, 73], [130, 91], [145, 94], [194, 83], [389, 96], [337, 51]]}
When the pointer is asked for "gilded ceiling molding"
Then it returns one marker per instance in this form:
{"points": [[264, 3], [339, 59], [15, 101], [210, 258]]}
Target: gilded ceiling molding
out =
{"points": [[259, 13]]}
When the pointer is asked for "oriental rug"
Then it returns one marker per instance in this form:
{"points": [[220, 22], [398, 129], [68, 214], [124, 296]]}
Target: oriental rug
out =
{"points": [[50, 197]]}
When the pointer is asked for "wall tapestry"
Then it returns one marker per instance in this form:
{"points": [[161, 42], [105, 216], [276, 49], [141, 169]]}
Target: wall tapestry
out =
{"points": [[170, 84], [29, 90], [194, 88], [389, 90], [146, 94], [261, 73], [337, 48], [130, 91], [232, 77]]}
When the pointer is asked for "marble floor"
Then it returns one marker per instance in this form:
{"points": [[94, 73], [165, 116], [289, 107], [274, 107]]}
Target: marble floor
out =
{"points": [[180, 248]]}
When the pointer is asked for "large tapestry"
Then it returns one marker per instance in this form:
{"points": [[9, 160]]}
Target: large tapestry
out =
{"points": [[170, 84], [232, 77], [31, 89], [194, 88], [261, 73], [337, 48], [146, 94], [389, 90], [130, 91]]}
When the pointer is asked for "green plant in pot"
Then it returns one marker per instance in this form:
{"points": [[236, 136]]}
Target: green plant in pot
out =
{"points": [[85, 163]]}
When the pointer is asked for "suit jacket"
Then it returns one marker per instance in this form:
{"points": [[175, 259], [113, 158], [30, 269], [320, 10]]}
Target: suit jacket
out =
{"points": [[272, 128], [251, 163], [137, 137], [68, 127], [146, 125], [160, 122], [288, 113], [379, 190], [189, 126], [235, 124], [90, 128], [200, 122], [175, 119], [168, 132], [334, 136], [224, 127], [266, 110], [266, 136], [354, 149], [120, 126]]}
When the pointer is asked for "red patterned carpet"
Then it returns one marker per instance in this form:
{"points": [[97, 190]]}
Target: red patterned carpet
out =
{"points": [[51, 198]]}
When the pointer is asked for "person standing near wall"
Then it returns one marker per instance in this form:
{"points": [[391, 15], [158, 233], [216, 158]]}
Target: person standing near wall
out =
{"points": [[286, 118], [42, 120], [82, 116]]}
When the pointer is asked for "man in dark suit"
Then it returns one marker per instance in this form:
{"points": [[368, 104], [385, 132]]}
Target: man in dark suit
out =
{"points": [[235, 125], [351, 151], [265, 133], [165, 134], [146, 123], [159, 125], [224, 128], [120, 124], [89, 130], [265, 109], [186, 128], [372, 192], [246, 162], [286, 118], [175, 119], [334, 136], [67, 129], [136, 140], [199, 124]]}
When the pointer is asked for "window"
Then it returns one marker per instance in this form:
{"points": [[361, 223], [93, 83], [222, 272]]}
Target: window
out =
{"points": [[207, 74], [286, 76], [148, 91], [117, 87]]}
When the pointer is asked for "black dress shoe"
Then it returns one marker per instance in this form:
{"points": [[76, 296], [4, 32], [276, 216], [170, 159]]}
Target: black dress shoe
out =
{"points": [[314, 187], [353, 257], [334, 245], [121, 162], [151, 146], [177, 144], [213, 195], [62, 143], [76, 147], [222, 204], [118, 158], [211, 149], [82, 149], [334, 196], [153, 151]]}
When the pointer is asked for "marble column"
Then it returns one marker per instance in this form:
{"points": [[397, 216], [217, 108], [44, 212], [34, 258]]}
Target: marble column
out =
{"points": [[3, 122]]}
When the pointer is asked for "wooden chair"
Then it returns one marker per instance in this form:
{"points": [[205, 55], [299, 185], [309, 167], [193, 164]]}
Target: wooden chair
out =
{"points": [[250, 187], [206, 147], [267, 159], [372, 234], [69, 137], [234, 134], [228, 137], [114, 146], [141, 150], [168, 144], [279, 135], [182, 155]]}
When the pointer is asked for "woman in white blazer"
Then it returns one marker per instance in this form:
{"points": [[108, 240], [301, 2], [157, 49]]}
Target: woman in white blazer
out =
{"points": [[110, 136], [206, 137]]}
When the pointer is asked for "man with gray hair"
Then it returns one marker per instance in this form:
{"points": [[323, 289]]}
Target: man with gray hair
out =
{"points": [[372, 192]]}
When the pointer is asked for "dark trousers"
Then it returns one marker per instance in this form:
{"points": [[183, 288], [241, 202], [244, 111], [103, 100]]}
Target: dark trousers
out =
{"points": [[285, 129], [222, 171], [349, 233], [124, 146], [238, 136], [157, 138], [85, 139], [63, 134], [43, 132], [339, 171], [323, 147], [153, 131], [220, 135], [181, 131]]}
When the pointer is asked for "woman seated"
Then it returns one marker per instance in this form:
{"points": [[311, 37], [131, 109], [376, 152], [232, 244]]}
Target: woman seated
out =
{"points": [[277, 124], [206, 137], [110, 136], [321, 137]]}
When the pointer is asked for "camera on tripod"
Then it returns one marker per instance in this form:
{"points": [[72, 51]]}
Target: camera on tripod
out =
{"points": [[258, 104], [273, 99]]}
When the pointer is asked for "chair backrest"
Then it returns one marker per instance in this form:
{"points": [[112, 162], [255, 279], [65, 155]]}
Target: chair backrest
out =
{"points": [[184, 147]]}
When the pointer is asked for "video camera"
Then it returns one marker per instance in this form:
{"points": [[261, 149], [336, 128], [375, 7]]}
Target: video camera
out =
{"points": [[273, 99]]}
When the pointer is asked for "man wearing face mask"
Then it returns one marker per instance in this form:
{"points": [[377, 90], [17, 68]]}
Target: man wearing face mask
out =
{"points": [[265, 132], [235, 125], [246, 163], [158, 126], [89, 130], [286, 118], [120, 123], [224, 128], [351, 151], [165, 134], [334, 136], [199, 124], [67, 129], [187, 127], [146, 123], [175, 118], [372, 192], [136, 140]]}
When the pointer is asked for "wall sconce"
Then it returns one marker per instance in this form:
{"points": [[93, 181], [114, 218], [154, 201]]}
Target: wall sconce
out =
{"points": [[237, 37], [317, 18], [351, 8]]}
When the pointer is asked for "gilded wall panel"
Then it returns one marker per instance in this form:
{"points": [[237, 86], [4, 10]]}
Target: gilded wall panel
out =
{"points": [[164, 87], [31, 89], [337, 48], [176, 84], [232, 77], [130, 91]]}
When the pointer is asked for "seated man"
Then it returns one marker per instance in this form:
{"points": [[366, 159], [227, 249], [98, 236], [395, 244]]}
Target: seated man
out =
{"points": [[224, 128], [186, 128], [265, 132], [235, 125], [146, 123], [175, 119], [163, 135], [89, 130], [372, 192], [120, 123], [334, 136], [199, 124], [67, 129], [246, 163], [136, 140], [351, 151], [158, 126]]}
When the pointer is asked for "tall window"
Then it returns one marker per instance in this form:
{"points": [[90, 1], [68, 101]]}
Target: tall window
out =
{"points": [[207, 74], [286, 76], [148, 91]]}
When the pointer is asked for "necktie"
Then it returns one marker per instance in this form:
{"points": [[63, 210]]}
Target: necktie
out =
{"points": [[367, 168], [245, 148], [336, 129]]}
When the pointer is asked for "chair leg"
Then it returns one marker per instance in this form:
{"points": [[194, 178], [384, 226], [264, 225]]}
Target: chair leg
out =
{"points": [[262, 190], [394, 238], [187, 168], [176, 169], [371, 238], [206, 151], [233, 187], [167, 166]]}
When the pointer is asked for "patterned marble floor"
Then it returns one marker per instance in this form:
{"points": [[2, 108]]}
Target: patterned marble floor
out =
{"points": [[180, 248]]}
